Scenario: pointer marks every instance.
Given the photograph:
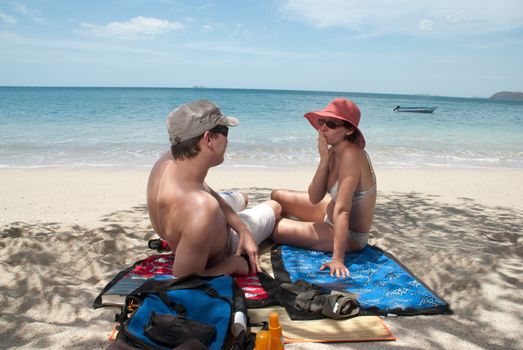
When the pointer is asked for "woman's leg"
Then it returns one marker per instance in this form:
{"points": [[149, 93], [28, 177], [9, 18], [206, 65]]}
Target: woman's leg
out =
{"points": [[311, 235], [314, 235], [297, 204]]}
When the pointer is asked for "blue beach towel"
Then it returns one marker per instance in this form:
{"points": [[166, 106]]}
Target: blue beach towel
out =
{"points": [[383, 285]]}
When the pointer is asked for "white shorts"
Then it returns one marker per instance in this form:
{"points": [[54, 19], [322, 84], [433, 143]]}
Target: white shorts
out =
{"points": [[260, 219], [234, 199]]}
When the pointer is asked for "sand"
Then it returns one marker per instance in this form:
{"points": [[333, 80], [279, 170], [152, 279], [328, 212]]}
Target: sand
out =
{"points": [[65, 232]]}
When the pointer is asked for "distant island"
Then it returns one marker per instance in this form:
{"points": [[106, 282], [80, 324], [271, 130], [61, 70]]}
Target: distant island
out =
{"points": [[507, 95]]}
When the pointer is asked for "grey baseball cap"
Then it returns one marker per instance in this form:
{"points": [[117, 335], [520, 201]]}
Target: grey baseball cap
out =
{"points": [[195, 118]]}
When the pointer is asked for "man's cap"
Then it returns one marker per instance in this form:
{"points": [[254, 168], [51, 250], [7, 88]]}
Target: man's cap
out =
{"points": [[195, 118]]}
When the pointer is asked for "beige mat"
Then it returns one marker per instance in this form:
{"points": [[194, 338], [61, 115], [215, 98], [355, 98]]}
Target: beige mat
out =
{"points": [[361, 328], [357, 329]]}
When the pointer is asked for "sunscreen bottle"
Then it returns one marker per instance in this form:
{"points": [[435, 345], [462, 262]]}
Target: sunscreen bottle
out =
{"points": [[263, 340], [275, 331]]}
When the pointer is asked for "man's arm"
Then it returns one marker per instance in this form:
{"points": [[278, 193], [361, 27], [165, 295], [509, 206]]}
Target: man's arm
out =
{"points": [[231, 264], [246, 242]]}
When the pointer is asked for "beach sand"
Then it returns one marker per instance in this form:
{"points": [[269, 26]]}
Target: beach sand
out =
{"points": [[65, 233]]}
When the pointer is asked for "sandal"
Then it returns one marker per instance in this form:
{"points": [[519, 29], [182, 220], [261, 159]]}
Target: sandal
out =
{"points": [[340, 305]]}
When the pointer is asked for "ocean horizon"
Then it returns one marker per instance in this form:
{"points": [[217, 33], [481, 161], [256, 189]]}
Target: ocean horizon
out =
{"points": [[202, 87], [125, 127]]}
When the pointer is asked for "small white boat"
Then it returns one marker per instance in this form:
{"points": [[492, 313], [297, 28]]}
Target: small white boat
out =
{"points": [[415, 109]]}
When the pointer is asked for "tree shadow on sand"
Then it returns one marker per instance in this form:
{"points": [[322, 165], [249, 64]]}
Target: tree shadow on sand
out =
{"points": [[464, 253], [53, 271]]}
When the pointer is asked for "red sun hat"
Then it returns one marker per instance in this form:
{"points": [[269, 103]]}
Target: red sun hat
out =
{"points": [[341, 109]]}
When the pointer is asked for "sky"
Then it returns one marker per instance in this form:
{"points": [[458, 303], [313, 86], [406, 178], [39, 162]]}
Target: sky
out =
{"points": [[465, 48]]}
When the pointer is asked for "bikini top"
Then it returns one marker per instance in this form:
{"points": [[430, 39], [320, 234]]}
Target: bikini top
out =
{"points": [[358, 196]]}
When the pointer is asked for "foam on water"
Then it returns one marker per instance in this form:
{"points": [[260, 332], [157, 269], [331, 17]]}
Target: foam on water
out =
{"points": [[76, 127]]}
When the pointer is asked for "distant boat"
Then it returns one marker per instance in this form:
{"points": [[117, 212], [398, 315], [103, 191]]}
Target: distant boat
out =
{"points": [[415, 109]]}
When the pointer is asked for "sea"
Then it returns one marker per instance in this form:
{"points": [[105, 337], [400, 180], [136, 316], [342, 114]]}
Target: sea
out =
{"points": [[125, 127]]}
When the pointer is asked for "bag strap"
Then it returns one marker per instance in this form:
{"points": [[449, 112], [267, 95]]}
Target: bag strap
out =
{"points": [[213, 293], [179, 308], [161, 287]]}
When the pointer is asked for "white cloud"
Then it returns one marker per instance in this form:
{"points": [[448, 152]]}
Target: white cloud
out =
{"points": [[207, 28], [239, 31], [135, 28], [12, 41], [34, 15], [7, 20], [373, 17], [426, 25]]}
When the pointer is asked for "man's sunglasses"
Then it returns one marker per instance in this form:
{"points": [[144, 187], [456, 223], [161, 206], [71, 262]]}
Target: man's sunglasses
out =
{"points": [[330, 124], [220, 129]]}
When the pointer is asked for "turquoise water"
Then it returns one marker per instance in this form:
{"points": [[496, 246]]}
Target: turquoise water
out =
{"points": [[104, 127]]}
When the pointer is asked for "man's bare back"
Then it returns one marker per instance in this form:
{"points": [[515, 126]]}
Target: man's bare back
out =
{"points": [[172, 200]]}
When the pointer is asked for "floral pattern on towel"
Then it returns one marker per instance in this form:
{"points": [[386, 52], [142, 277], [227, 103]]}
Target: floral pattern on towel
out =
{"points": [[380, 282]]}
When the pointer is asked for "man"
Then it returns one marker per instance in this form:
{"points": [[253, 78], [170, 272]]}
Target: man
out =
{"points": [[205, 233]]}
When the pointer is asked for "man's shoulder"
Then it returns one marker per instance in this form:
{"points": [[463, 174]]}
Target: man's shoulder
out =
{"points": [[189, 210], [200, 199], [198, 213], [189, 203]]}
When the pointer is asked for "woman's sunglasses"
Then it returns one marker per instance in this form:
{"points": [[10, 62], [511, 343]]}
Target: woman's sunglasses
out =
{"points": [[330, 124], [220, 129]]}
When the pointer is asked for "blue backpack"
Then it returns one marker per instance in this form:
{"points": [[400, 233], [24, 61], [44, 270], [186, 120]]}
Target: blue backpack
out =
{"points": [[166, 312]]}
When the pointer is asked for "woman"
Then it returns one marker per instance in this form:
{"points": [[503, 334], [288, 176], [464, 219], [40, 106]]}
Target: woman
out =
{"points": [[340, 222]]}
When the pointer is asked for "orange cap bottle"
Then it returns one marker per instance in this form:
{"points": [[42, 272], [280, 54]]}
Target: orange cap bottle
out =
{"points": [[275, 331], [263, 340]]}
